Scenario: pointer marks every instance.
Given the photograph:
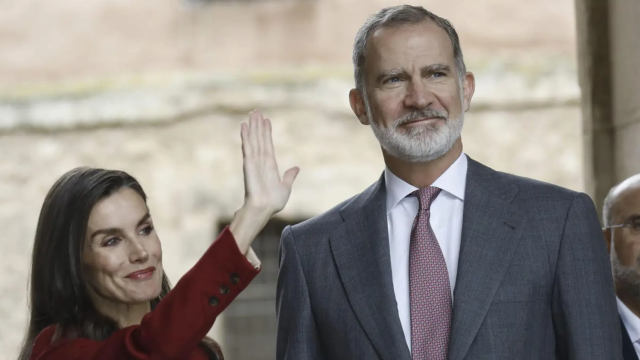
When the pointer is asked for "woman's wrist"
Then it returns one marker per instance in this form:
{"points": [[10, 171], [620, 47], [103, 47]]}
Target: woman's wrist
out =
{"points": [[247, 223]]}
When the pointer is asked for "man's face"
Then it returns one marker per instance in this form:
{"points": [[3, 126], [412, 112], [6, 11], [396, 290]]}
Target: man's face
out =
{"points": [[415, 100], [625, 241]]}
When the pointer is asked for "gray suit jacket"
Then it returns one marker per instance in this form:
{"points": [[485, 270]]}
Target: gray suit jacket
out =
{"points": [[534, 279]]}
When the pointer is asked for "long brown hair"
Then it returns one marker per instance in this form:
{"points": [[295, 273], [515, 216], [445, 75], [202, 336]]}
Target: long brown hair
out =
{"points": [[58, 293]]}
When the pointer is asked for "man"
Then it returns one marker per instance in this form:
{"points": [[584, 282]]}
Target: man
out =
{"points": [[621, 218], [442, 258]]}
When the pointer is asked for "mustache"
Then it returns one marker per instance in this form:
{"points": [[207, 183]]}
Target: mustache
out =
{"points": [[420, 114]]}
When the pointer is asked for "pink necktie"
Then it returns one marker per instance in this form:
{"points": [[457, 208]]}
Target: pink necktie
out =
{"points": [[430, 292]]}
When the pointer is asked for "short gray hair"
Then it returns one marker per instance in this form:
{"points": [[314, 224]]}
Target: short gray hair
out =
{"points": [[399, 16], [612, 196], [607, 218]]}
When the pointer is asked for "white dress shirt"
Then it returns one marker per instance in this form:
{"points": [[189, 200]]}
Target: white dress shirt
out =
{"points": [[631, 323], [446, 221]]}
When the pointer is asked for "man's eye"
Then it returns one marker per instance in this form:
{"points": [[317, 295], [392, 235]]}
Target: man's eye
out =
{"points": [[635, 224], [394, 79], [439, 74]]}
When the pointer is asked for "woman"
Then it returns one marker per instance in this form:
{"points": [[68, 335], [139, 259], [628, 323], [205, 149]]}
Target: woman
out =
{"points": [[97, 266]]}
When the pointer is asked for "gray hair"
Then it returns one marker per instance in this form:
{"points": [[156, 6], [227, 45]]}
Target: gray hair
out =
{"points": [[398, 16], [612, 196]]}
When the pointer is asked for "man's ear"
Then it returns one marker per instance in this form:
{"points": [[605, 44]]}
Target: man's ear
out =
{"points": [[468, 89], [357, 105]]}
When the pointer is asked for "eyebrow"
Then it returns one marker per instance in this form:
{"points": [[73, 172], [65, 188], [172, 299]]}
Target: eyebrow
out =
{"points": [[436, 68], [427, 69], [112, 231]]}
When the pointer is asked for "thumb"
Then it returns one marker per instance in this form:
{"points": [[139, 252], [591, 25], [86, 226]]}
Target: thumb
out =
{"points": [[289, 176]]}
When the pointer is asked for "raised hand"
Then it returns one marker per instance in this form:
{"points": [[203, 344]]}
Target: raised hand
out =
{"points": [[264, 188]]}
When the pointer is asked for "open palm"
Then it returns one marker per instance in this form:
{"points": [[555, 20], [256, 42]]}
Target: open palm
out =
{"points": [[263, 186]]}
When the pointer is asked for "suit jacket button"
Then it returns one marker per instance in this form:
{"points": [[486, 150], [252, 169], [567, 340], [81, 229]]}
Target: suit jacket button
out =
{"points": [[224, 289], [235, 279], [213, 301]]}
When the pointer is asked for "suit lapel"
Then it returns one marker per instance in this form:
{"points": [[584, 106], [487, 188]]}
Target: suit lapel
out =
{"points": [[360, 248], [490, 234], [628, 351]]}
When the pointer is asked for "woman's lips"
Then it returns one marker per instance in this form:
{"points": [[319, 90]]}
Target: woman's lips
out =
{"points": [[142, 274]]}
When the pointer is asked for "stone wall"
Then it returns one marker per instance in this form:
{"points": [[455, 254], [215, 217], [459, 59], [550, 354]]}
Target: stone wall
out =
{"points": [[76, 40]]}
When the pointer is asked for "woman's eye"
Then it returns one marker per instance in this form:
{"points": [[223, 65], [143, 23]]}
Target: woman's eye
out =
{"points": [[111, 241], [147, 230]]}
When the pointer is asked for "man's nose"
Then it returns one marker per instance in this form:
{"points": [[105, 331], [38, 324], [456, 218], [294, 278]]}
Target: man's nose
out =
{"points": [[418, 96]]}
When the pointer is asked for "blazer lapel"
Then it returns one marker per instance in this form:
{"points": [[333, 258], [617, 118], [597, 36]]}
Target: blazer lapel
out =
{"points": [[628, 351], [490, 234], [360, 248]]}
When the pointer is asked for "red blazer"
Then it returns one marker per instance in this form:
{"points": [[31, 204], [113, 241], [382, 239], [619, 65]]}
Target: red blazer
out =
{"points": [[179, 322]]}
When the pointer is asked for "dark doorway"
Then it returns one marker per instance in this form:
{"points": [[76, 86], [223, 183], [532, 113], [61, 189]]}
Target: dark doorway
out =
{"points": [[250, 321]]}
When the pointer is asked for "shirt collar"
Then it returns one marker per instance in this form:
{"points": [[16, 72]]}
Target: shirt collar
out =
{"points": [[630, 320], [453, 181]]}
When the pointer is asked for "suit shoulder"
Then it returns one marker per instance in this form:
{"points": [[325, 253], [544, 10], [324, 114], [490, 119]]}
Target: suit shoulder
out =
{"points": [[514, 187], [536, 188], [531, 189], [321, 225], [545, 205]]}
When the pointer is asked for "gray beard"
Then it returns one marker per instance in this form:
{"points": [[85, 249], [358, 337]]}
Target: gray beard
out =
{"points": [[418, 144], [626, 278]]}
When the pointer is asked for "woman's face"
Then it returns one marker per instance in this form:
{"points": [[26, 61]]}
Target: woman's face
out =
{"points": [[122, 256]]}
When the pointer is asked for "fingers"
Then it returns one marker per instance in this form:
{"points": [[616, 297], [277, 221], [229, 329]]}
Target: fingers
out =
{"points": [[254, 121], [268, 138], [259, 134], [289, 176], [257, 140], [244, 134]]}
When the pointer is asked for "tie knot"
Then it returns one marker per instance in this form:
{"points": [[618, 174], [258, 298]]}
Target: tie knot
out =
{"points": [[426, 196]]}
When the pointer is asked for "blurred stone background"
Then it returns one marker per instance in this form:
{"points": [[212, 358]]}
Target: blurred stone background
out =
{"points": [[158, 88]]}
